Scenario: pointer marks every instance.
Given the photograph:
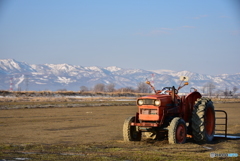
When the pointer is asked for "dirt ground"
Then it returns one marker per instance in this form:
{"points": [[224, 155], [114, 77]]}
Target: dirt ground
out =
{"points": [[63, 125], [94, 125]]}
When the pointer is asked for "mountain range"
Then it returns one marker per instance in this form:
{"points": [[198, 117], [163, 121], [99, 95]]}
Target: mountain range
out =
{"points": [[20, 75]]}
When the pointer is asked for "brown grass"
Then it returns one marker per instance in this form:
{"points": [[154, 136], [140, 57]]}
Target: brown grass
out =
{"points": [[69, 93], [95, 133], [61, 99]]}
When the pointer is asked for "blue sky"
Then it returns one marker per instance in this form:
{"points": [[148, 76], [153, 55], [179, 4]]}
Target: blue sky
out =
{"points": [[198, 36]]}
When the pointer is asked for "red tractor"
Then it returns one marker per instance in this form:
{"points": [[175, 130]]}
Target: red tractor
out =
{"points": [[165, 113]]}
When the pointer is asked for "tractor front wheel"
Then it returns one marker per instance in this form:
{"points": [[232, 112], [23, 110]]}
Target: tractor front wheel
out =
{"points": [[177, 131], [203, 120], [131, 133]]}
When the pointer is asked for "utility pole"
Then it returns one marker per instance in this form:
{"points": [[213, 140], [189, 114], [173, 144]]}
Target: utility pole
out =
{"points": [[11, 84], [26, 78]]}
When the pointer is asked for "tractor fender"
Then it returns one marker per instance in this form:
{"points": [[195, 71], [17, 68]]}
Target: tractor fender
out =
{"points": [[187, 105]]}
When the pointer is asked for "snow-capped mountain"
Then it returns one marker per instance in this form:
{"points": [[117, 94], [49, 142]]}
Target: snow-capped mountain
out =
{"points": [[9, 66], [71, 77]]}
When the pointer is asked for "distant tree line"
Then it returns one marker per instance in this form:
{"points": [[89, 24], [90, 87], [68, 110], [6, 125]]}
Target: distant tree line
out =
{"points": [[210, 89], [100, 87]]}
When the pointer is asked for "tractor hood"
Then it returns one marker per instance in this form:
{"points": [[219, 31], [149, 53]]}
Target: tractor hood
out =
{"points": [[155, 96], [156, 100]]}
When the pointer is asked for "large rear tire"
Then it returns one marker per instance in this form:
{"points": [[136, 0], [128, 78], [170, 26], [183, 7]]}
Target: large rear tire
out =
{"points": [[177, 131], [131, 133], [203, 121]]}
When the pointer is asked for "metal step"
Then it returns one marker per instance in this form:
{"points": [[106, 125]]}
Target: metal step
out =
{"points": [[227, 136]]}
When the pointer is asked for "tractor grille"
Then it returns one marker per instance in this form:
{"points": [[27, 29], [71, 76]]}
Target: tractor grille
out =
{"points": [[149, 111], [148, 102]]}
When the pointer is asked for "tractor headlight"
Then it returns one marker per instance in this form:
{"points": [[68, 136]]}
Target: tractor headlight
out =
{"points": [[157, 102], [140, 102]]}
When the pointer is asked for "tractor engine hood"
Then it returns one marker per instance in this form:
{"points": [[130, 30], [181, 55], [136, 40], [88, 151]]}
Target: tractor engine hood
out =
{"points": [[151, 107], [162, 100]]}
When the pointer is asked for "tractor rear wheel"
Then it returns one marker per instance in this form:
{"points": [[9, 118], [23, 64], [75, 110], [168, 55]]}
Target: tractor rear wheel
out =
{"points": [[177, 131], [203, 120], [131, 133]]}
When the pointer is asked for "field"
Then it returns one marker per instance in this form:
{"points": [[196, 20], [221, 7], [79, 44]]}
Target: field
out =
{"points": [[95, 133]]}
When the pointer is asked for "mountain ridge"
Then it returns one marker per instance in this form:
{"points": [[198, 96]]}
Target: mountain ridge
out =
{"points": [[72, 77]]}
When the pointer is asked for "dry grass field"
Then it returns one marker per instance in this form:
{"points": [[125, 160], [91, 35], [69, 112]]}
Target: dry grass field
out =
{"points": [[95, 133]]}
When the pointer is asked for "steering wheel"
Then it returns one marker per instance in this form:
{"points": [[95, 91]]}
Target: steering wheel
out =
{"points": [[169, 89]]}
